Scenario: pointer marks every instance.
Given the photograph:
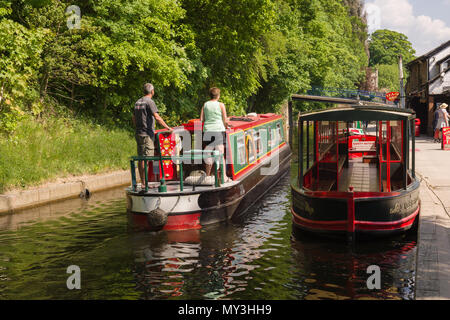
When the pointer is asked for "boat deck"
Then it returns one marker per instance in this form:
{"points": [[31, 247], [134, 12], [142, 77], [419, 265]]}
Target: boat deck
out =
{"points": [[361, 176]]}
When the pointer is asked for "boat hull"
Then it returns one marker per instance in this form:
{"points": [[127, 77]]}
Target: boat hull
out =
{"points": [[194, 209], [358, 213]]}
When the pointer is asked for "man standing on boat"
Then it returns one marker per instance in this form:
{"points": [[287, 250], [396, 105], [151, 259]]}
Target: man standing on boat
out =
{"points": [[144, 116]]}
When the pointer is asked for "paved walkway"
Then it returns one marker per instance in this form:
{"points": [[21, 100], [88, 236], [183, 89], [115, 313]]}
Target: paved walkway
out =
{"points": [[433, 255]]}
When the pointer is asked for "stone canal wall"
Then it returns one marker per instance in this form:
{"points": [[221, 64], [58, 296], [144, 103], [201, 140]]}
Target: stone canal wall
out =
{"points": [[61, 190]]}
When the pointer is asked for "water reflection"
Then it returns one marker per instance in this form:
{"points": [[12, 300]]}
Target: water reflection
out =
{"points": [[255, 257], [258, 258]]}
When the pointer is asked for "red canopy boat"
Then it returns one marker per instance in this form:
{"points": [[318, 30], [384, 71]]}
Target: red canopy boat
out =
{"points": [[356, 184]]}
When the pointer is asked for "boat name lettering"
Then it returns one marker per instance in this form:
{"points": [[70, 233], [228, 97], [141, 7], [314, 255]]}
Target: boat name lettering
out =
{"points": [[404, 205], [304, 206]]}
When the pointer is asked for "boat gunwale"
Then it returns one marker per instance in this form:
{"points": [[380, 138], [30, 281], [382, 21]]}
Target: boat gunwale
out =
{"points": [[344, 195]]}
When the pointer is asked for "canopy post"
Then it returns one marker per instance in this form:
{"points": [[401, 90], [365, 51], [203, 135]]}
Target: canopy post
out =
{"points": [[406, 148], [300, 155], [307, 145], [413, 153]]}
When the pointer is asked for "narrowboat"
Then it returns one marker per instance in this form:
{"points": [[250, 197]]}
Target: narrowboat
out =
{"points": [[356, 184], [177, 194]]}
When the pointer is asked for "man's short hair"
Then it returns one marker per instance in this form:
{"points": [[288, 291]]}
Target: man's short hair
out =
{"points": [[148, 88], [214, 93]]}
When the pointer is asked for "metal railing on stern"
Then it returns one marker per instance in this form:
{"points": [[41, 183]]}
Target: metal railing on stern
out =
{"points": [[190, 156]]}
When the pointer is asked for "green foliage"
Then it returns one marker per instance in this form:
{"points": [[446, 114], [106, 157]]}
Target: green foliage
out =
{"points": [[386, 45], [259, 57], [258, 52], [314, 43], [230, 44], [60, 146], [388, 77], [19, 59]]}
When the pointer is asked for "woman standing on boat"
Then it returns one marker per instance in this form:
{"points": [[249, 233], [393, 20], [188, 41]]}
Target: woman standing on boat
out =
{"points": [[214, 118]]}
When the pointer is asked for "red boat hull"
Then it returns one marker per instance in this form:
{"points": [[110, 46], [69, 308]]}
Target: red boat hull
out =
{"points": [[339, 213]]}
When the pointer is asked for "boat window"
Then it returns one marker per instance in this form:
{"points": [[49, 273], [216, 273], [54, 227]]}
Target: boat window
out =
{"points": [[269, 138], [396, 140], [279, 136], [241, 154], [250, 145], [258, 144], [326, 137]]}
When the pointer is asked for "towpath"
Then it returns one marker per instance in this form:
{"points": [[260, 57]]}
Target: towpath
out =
{"points": [[433, 254]]}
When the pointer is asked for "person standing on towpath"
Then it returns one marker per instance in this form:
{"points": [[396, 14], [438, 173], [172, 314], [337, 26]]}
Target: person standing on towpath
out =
{"points": [[144, 116]]}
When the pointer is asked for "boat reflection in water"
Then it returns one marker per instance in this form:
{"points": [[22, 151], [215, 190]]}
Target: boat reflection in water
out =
{"points": [[335, 271], [258, 258], [252, 258]]}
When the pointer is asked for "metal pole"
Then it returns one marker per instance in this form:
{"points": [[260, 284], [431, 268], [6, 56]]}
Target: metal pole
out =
{"points": [[307, 145], [402, 90], [406, 148], [146, 175], [413, 152], [181, 175], [133, 175], [300, 156], [222, 169], [216, 172], [290, 122], [162, 186]]}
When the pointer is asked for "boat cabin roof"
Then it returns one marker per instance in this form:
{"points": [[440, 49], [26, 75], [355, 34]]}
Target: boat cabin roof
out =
{"points": [[359, 113], [241, 122]]}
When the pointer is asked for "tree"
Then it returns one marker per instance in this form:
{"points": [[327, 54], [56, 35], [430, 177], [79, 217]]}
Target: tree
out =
{"points": [[315, 43], [228, 35], [386, 45], [20, 51]]}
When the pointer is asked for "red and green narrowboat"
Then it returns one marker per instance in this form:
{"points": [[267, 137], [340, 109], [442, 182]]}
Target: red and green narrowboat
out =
{"points": [[176, 194]]}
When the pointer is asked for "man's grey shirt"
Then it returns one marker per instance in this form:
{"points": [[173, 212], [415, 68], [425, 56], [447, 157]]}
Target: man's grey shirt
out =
{"points": [[144, 109]]}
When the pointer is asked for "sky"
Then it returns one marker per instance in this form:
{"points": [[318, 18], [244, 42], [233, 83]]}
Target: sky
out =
{"points": [[426, 23]]}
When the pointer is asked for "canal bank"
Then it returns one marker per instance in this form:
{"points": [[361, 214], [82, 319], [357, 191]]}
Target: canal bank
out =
{"points": [[61, 190], [433, 254]]}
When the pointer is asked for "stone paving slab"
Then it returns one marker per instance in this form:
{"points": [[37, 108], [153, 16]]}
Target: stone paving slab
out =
{"points": [[433, 252]]}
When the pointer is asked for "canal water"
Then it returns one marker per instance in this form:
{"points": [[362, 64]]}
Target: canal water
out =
{"points": [[254, 258]]}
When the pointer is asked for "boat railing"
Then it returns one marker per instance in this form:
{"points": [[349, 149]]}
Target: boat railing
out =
{"points": [[178, 161]]}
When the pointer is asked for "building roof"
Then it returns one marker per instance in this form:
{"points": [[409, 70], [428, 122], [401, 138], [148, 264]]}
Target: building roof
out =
{"points": [[428, 54]]}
